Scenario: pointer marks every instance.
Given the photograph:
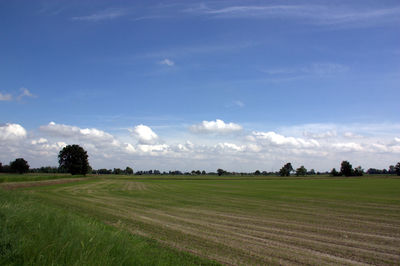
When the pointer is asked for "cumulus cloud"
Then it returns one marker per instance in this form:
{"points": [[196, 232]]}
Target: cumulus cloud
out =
{"points": [[229, 146], [39, 141], [167, 62], [348, 147], [218, 126], [88, 134], [257, 150], [12, 132], [145, 135], [153, 148], [272, 138], [5, 97]]}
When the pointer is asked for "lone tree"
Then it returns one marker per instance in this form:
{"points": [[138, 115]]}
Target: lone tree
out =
{"points": [[19, 166], [397, 168], [74, 159], [286, 169], [301, 171], [346, 169]]}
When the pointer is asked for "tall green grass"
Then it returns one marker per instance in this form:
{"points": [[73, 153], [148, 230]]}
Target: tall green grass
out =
{"points": [[34, 233]]}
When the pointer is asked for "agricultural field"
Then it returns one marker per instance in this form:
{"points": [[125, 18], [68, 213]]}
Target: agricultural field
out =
{"points": [[263, 220]]}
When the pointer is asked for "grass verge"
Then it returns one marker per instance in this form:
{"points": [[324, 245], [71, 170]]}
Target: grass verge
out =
{"points": [[34, 233]]}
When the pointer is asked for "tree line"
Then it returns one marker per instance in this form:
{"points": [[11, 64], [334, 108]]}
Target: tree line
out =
{"points": [[74, 159]]}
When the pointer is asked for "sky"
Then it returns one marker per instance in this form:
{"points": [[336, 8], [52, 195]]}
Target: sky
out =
{"points": [[201, 85]]}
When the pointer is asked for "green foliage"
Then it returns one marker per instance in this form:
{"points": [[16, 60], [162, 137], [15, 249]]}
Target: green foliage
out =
{"points": [[19, 166], [358, 171], [128, 171], [335, 173], [397, 168], [301, 171], [286, 169], [221, 172], [117, 171], [74, 159], [346, 169]]}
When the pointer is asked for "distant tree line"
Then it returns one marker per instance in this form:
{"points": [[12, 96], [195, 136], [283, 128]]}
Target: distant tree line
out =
{"points": [[74, 159]]}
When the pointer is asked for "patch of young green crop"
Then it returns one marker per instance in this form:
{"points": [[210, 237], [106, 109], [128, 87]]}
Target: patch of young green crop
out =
{"points": [[35, 233]]}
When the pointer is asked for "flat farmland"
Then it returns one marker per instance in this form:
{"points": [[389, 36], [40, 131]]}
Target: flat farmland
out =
{"points": [[346, 221]]}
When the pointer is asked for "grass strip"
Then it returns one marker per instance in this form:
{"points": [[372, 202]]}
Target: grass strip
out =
{"points": [[34, 233]]}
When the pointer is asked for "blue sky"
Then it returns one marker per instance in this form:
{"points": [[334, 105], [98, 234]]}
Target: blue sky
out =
{"points": [[207, 73]]}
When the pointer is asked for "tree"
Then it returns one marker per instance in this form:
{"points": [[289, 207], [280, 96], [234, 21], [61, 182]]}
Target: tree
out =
{"points": [[220, 171], [358, 171], [286, 169], [397, 168], [392, 170], [1, 167], [311, 172], [257, 172], [301, 171], [117, 171], [19, 165], [334, 172], [74, 159], [128, 171], [346, 169]]}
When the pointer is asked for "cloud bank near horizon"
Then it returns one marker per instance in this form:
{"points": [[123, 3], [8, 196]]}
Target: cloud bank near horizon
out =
{"points": [[142, 148]]}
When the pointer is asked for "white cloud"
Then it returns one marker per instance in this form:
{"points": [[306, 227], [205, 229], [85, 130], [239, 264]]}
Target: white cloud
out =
{"points": [[351, 135], [153, 148], [25, 93], [12, 132], [188, 146], [218, 126], [259, 150], [238, 103], [323, 15], [229, 146], [167, 62], [108, 14], [5, 97], [145, 135], [272, 138], [87, 134], [324, 69], [322, 135], [348, 147], [39, 141]]}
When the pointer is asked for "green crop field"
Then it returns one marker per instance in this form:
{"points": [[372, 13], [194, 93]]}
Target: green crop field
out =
{"points": [[182, 220]]}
